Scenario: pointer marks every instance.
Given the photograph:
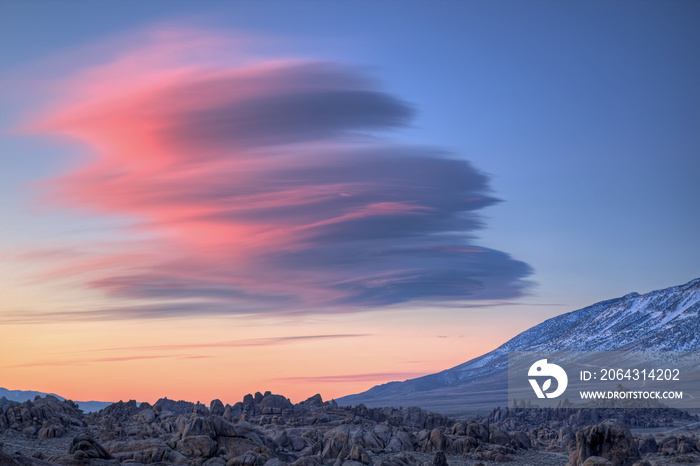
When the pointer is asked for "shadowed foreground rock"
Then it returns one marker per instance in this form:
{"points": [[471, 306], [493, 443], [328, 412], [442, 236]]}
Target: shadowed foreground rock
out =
{"points": [[268, 430], [262, 429], [609, 442]]}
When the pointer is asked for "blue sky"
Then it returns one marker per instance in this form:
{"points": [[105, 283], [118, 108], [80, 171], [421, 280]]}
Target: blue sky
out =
{"points": [[584, 115]]}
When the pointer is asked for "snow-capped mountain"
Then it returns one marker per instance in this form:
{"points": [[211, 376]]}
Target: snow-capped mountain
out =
{"points": [[662, 320]]}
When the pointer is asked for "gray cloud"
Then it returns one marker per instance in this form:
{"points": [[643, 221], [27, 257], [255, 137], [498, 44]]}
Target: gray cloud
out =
{"points": [[311, 211], [291, 118]]}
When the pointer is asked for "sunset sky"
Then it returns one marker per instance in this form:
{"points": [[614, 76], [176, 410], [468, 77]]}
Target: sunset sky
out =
{"points": [[206, 199]]}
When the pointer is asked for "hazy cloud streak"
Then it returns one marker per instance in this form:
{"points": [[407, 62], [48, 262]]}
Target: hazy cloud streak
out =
{"points": [[237, 343], [369, 377], [75, 362]]}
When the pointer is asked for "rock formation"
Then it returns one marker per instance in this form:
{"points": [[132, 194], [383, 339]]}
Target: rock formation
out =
{"points": [[268, 430]]}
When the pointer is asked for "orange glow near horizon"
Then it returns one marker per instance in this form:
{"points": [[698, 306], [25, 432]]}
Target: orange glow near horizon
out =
{"points": [[269, 238], [204, 359]]}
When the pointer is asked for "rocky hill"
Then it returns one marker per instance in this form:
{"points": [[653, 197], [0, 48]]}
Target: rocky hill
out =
{"points": [[261, 429], [268, 430], [24, 395], [28, 395]]}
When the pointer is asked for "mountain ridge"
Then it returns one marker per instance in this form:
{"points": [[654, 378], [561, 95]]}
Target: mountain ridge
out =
{"points": [[24, 395], [660, 320], [29, 395]]}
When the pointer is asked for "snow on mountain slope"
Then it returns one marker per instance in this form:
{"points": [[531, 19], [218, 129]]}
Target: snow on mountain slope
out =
{"points": [[662, 320]]}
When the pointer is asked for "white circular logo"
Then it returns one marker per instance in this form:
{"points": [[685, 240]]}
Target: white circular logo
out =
{"points": [[543, 369]]}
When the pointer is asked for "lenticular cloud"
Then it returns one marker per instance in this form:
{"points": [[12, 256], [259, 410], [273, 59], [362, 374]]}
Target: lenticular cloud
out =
{"points": [[270, 187]]}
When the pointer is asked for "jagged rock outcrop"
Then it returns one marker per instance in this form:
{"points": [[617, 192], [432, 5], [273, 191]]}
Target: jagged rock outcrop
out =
{"points": [[597, 461], [267, 429], [42, 418], [610, 440], [88, 448]]}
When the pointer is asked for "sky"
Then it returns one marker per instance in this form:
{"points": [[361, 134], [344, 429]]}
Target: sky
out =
{"points": [[206, 199]]}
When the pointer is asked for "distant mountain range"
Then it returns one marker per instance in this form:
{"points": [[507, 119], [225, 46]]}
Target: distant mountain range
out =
{"points": [[21, 396], [662, 320]]}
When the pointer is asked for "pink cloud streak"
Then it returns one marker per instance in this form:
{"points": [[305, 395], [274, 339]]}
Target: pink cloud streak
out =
{"points": [[369, 377]]}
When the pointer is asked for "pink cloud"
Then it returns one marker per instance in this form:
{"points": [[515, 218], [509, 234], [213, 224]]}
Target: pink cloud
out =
{"points": [[262, 185]]}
